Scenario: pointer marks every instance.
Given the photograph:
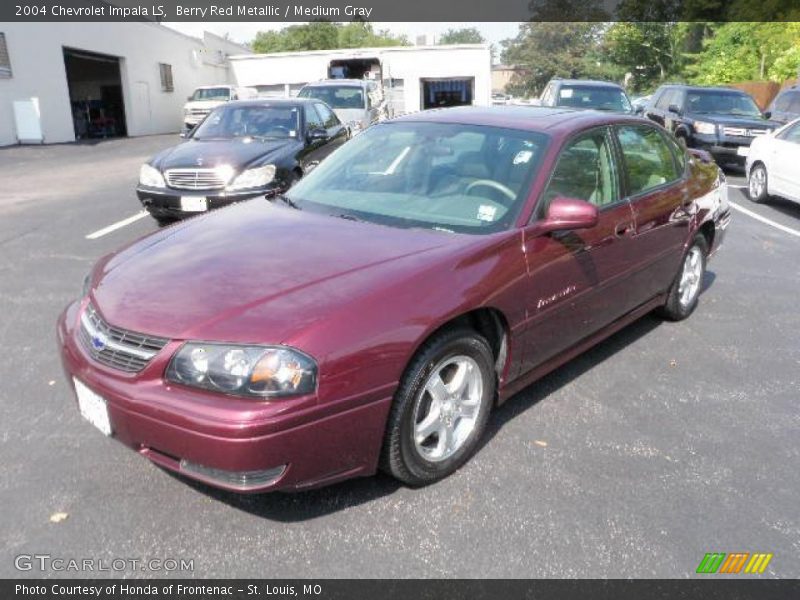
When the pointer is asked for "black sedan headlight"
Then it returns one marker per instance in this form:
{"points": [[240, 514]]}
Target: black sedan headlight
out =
{"points": [[260, 372]]}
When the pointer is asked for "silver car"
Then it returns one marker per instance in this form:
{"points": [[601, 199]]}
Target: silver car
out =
{"points": [[358, 103]]}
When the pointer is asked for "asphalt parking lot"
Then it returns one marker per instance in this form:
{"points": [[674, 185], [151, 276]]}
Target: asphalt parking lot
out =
{"points": [[667, 441]]}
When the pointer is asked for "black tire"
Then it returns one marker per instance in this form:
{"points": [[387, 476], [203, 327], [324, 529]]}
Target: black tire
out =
{"points": [[164, 221], [400, 456], [676, 308], [757, 193]]}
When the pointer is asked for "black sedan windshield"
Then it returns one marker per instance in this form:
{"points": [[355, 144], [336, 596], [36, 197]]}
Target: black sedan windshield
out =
{"points": [[342, 96], [726, 103], [456, 178], [250, 121], [599, 98]]}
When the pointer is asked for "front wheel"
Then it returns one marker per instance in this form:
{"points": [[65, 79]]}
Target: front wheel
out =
{"points": [[757, 185], [441, 408], [685, 290]]}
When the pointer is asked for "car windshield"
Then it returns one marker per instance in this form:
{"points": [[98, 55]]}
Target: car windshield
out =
{"points": [[341, 96], [450, 177], [599, 98], [726, 103], [219, 94], [250, 121]]}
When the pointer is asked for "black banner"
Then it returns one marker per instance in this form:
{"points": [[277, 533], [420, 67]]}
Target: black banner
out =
{"points": [[398, 10], [406, 589]]}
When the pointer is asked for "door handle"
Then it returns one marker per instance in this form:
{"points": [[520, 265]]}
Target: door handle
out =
{"points": [[623, 229]]}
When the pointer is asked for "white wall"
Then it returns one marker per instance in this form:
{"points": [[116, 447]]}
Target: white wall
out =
{"points": [[36, 52], [411, 64]]}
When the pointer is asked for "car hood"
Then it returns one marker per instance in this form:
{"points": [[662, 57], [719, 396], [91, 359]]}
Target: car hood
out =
{"points": [[238, 152], [348, 115], [734, 121], [203, 104], [255, 272]]}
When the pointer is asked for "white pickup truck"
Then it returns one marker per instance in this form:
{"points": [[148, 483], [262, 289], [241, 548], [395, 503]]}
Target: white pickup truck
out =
{"points": [[208, 97]]}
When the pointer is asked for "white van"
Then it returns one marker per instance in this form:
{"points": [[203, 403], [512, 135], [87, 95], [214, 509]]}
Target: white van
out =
{"points": [[208, 97]]}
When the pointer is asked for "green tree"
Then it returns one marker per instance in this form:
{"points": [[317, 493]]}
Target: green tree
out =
{"points": [[649, 51], [324, 35], [742, 51], [466, 35], [547, 50]]}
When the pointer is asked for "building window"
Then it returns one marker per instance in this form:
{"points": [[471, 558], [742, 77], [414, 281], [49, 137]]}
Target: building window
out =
{"points": [[166, 77], [5, 60]]}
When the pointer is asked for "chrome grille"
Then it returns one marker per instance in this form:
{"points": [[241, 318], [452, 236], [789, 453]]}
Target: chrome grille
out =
{"points": [[195, 179], [742, 132], [115, 347]]}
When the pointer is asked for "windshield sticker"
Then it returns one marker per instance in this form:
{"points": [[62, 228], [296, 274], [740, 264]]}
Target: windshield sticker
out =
{"points": [[566, 93], [486, 212], [522, 156]]}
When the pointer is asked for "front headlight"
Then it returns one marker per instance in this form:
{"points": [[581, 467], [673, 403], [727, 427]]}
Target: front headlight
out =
{"points": [[705, 128], [151, 177], [261, 372], [253, 178]]}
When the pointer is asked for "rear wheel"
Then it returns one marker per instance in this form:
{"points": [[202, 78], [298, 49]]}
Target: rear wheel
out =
{"points": [[757, 184], [441, 408], [685, 289]]}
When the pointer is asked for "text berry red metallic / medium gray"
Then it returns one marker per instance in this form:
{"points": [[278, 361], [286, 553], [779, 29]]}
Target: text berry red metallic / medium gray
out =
{"points": [[376, 313]]}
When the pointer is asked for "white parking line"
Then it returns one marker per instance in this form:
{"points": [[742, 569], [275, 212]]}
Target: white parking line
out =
{"points": [[769, 222], [118, 225]]}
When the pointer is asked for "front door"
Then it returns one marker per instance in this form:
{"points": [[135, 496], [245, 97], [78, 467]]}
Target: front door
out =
{"points": [[578, 280], [782, 164]]}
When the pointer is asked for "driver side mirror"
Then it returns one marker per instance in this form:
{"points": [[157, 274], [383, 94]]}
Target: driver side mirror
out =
{"points": [[568, 213], [767, 114], [317, 135], [674, 108]]}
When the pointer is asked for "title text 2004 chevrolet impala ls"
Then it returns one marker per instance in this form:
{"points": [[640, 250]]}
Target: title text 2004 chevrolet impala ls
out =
{"points": [[374, 315]]}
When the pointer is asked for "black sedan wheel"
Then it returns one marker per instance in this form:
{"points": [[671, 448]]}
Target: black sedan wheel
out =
{"points": [[441, 408]]}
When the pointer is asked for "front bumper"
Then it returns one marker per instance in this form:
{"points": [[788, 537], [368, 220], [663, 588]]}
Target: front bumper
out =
{"points": [[166, 202], [724, 149], [228, 442]]}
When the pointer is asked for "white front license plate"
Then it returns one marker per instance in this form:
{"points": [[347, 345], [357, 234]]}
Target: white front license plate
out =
{"points": [[194, 203], [93, 407], [743, 150]]}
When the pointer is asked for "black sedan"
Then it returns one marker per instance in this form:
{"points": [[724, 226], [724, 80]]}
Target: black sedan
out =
{"points": [[241, 150]]}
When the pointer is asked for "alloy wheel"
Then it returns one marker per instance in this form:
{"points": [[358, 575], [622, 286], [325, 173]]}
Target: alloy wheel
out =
{"points": [[691, 277]]}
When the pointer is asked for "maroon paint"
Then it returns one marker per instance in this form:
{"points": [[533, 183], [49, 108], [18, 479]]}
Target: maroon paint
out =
{"points": [[361, 298]]}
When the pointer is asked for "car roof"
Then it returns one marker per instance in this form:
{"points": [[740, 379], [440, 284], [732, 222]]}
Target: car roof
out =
{"points": [[337, 82], [710, 88], [272, 102], [555, 120], [588, 82]]}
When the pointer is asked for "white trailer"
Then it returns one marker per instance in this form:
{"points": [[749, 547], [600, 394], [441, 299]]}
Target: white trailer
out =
{"points": [[413, 77]]}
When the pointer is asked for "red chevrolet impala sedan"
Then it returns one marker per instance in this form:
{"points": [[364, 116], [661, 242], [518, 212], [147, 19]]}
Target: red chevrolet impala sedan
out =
{"points": [[374, 315]]}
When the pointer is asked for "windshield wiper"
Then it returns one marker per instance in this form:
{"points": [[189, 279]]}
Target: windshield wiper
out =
{"points": [[286, 200], [349, 217]]}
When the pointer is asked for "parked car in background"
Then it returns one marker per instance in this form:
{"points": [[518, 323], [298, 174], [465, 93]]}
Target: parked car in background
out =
{"points": [[785, 106], [242, 150], [772, 165], [586, 93], [639, 103], [372, 315], [358, 103], [722, 121], [208, 97], [499, 99]]}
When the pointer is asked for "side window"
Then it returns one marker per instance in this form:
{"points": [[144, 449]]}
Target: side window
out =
{"points": [[677, 150], [328, 118], [648, 160], [665, 99], [313, 120], [547, 95], [585, 170], [782, 102], [792, 134], [794, 104]]}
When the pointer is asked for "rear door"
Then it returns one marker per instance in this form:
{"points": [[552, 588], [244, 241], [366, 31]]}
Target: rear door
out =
{"points": [[783, 162], [657, 186], [578, 280], [337, 133]]}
